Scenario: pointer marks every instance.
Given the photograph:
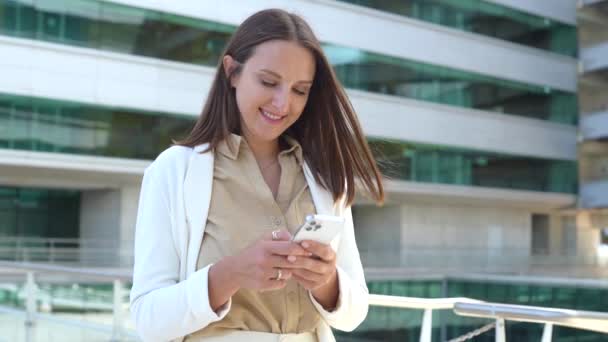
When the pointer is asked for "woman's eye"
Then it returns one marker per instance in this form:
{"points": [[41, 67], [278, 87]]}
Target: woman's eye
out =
{"points": [[300, 92], [267, 84]]}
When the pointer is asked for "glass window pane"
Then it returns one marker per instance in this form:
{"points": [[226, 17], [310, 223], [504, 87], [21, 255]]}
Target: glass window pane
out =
{"points": [[400, 77], [57, 126], [448, 165], [124, 29], [51, 26], [486, 18], [8, 17], [381, 324], [82, 23], [27, 18], [32, 212]]}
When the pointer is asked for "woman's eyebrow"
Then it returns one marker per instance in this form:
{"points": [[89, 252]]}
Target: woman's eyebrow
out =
{"points": [[279, 76]]}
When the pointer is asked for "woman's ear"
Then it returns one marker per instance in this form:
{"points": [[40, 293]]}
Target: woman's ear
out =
{"points": [[230, 65]]}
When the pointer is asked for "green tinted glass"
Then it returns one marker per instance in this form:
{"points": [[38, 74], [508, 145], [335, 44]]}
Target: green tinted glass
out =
{"points": [[485, 18], [118, 28], [25, 212], [55, 126], [123, 29], [447, 165], [371, 72], [398, 325]]}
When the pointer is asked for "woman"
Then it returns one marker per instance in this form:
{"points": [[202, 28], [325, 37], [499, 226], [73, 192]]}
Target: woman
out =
{"points": [[277, 140]]}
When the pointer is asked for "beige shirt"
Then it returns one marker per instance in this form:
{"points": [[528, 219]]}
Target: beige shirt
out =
{"points": [[242, 209]]}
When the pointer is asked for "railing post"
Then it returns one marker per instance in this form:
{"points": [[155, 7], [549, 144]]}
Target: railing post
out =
{"points": [[118, 321], [427, 326], [547, 332], [500, 330], [30, 307]]}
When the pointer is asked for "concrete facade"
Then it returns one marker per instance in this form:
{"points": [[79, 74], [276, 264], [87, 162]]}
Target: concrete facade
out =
{"points": [[423, 225], [107, 225], [458, 237], [593, 102]]}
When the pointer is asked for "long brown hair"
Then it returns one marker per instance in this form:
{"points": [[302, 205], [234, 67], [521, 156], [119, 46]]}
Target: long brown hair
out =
{"points": [[328, 130]]}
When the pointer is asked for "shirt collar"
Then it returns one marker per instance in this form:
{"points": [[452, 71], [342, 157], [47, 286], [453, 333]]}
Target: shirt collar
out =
{"points": [[230, 146], [236, 141], [294, 147]]}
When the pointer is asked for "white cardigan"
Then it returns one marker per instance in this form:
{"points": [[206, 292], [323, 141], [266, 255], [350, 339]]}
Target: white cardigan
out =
{"points": [[169, 297]]}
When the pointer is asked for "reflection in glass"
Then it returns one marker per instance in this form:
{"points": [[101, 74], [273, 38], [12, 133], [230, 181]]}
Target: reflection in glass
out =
{"points": [[32, 212], [395, 76], [447, 165], [388, 324], [485, 18], [55, 126], [118, 28], [123, 29]]}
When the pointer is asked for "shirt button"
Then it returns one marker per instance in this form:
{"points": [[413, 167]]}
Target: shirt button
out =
{"points": [[276, 221]]}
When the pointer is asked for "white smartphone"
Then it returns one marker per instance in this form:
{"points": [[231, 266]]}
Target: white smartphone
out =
{"points": [[320, 228]]}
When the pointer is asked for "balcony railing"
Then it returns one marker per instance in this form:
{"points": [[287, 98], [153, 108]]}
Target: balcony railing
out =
{"points": [[523, 261], [77, 252], [117, 326], [110, 253]]}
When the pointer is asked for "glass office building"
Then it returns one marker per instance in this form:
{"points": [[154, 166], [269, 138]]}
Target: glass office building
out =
{"points": [[471, 108]]}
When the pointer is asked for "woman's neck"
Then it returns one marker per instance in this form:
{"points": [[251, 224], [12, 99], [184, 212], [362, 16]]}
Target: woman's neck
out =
{"points": [[265, 152]]}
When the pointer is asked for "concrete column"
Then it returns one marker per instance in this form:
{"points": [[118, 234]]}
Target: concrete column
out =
{"points": [[107, 225], [456, 236], [99, 226], [128, 218], [378, 234], [556, 234]]}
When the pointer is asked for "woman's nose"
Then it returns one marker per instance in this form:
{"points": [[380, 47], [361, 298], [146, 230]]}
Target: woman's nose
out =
{"points": [[281, 101]]}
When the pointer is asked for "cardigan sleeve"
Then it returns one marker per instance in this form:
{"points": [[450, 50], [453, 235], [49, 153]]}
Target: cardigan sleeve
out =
{"points": [[162, 307], [353, 297]]}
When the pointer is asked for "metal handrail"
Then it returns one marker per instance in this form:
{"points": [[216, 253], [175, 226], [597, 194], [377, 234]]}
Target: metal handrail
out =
{"points": [[586, 320], [418, 303], [25, 267], [116, 277], [76, 251], [44, 240]]}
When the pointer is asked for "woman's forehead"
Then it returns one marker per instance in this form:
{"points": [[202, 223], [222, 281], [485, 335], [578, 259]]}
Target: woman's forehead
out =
{"points": [[283, 59]]}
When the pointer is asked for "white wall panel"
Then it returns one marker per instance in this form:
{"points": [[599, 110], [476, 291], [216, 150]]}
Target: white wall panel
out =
{"points": [[84, 75], [394, 35], [594, 126], [595, 58], [425, 122], [115, 80]]}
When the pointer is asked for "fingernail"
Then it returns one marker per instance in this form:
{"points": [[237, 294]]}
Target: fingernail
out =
{"points": [[291, 258], [305, 244]]}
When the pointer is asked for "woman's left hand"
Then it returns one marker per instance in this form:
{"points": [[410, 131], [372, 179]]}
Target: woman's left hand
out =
{"points": [[317, 273]]}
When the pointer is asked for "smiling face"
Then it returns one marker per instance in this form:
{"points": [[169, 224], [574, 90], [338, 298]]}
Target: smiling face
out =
{"points": [[272, 88]]}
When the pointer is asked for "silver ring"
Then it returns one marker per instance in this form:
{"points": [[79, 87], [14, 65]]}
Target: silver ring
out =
{"points": [[279, 274], [275, 234]]}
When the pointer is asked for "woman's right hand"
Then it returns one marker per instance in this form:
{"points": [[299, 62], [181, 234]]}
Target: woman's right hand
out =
{"points": [[256, 267]]}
